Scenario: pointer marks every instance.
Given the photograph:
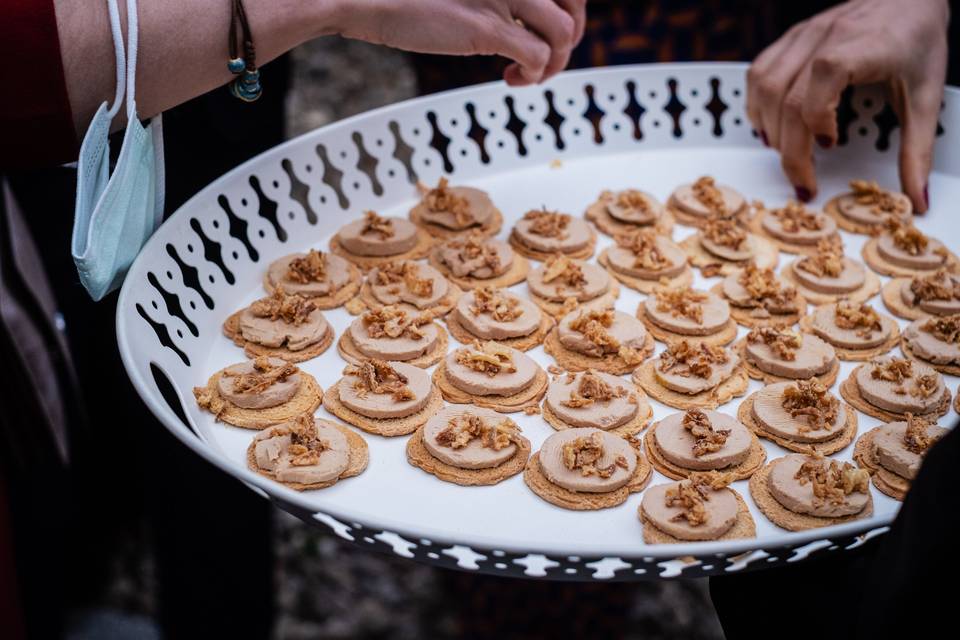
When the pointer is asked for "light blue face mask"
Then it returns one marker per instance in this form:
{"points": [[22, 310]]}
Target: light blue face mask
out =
{"points": [[116, 214]]}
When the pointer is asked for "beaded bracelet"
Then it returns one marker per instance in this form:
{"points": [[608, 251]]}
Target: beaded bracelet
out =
{"points": [[247, 84]]}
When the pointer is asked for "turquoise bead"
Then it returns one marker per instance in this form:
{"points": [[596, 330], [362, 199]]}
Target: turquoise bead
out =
{"points": [[237, 65]]}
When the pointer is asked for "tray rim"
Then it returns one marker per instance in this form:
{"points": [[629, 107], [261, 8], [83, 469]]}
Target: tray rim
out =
{"points": [[282, 495]]}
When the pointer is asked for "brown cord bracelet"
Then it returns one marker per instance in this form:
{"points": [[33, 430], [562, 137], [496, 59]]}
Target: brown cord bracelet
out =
{"points": [[246, 86]]}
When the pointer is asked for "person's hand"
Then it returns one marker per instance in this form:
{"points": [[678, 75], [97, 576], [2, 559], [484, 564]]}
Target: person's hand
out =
{"points": [[794, 86], [537, 35]]}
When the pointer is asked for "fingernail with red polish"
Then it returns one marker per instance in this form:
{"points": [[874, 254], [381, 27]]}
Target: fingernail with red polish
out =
{"points": [[803, 194], [763, 136], [825, 141]]}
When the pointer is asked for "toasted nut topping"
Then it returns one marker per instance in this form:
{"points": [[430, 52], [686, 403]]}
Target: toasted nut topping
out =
{"points": [[393, 322], [724, 232], [406, 274], [309, 268], [915, 438], [490, 358], [378, 377], [565, 272], [643, 244], [474, 249], [549, 224], [691, 494], [692, 360], [880, 201], [766, 291], [782, 342], [937, 286], [593, 324], [906, 237], [894, 370], [810, 398], [291, 309], [210, 400], [943, 328], [794, 217], [861, 317], [443, 199], [592, 389], [585, 452], [372, 223], [681, 302], [706, 192], [833, 481], [305, 444], [263, 376], [496, 303], [827, 261], [633, 200], [706, 438], [463, 429]]}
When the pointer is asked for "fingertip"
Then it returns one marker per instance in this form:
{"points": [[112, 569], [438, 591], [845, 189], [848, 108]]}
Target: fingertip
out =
{"points": [[514, 76]]}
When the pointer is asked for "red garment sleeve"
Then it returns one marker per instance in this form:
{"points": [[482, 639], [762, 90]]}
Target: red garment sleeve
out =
{"points": [[36, 125]]}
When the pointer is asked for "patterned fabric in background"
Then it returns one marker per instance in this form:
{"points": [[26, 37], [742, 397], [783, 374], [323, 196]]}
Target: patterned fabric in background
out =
{"points": [[644, 31]]}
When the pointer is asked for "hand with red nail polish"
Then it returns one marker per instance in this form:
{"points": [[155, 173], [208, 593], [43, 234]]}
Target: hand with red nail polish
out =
{"points": [[794, 86]]}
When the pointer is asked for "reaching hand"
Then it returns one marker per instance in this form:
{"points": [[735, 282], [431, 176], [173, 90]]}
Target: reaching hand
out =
{"points": [[537, 35], [794, 86]]}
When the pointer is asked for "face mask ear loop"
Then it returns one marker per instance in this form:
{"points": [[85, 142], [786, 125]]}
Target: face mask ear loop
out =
{"points": [[120, 55], [132, 42]]}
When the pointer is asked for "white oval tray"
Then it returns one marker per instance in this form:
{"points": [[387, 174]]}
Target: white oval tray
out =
{"points": [[558, 145]]}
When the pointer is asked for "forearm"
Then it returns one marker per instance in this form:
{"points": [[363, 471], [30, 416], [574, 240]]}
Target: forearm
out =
{"points": [[183, 47]]}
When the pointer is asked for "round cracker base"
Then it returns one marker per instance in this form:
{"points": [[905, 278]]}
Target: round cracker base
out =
{"points": [[869, 288], [307, 399], [365, 263], [519, 268], [733, 387], [893, 301], [832, 209], [949, 369], [349, 352], [573, 361], [756, 373], [885, 481], [683, 279], [850, 391], [560, 309], [387, 427], [543, 256], [357, 463], [607, 224], [854, 355], [529, 397], [956, 401], [756, 227], [743, 526], [440, 308], [231, 329], [521, 343], [744, 316], [827, 447], [418, 456], [580, 500], [754, 460], [789, 520], [724, 336], [337, 298], [632, 427], [488, 230], [710, 265], [877, 262]]}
